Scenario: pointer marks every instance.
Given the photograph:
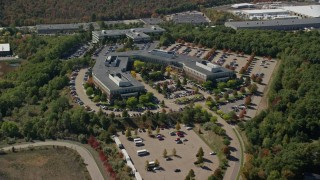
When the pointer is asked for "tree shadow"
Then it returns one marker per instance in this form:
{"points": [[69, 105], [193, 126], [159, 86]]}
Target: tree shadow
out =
{"points": [[232, 158], [207, 160], [232, 149], [206, 168]]}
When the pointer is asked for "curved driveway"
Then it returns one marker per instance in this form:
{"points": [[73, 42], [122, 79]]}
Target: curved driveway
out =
{"points": [[87, 157]]}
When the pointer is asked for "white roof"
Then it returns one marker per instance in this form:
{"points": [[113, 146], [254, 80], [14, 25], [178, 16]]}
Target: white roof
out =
{"points": [[4, 47], [264, 11], [311, 11], [242, 4]]}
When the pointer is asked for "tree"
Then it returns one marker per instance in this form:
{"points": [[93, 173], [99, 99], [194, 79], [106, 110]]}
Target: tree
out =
{"points": [[200, 152], [133, 74], [158, 130], [156, 162], [147, 165], [149, 131], [191, 174], [208, 85], [174, 152], [214, 119], [138, 65], [89, 91], [165, 153], [247, 101], [226, 151], [184, 82], [125, 113], [178, 127], [235, 93], [259, 80], [112, 115], [226, 96], [253, 88], [243, 90], [132, 102], [10, 129], [136, 132], [128, 133]]}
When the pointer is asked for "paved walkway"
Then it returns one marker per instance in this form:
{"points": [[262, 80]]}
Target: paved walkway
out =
{"points": [[92, 166]]}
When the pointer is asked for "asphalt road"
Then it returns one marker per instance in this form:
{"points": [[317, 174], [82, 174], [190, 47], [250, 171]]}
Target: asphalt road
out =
{"points": [[92, 166]]}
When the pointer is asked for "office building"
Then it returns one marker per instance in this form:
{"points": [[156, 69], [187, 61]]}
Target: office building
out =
{"points": [[136, 34], [113, 76]]}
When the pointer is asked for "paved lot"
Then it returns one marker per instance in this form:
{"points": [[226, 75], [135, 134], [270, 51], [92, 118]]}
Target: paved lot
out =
{"points": [[186, 151], [255, 67]]}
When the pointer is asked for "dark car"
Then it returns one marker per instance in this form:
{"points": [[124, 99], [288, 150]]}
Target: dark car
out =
{"points": [[121, 146], [177, 170]]}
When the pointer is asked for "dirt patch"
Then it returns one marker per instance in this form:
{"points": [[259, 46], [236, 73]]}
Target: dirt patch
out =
{"points": [[38, 161], [5, 68], [43, 163]]}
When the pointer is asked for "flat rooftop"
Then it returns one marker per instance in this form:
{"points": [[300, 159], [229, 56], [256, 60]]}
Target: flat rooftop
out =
{"points": [[152, 21], [181, 59], [102, 72], [118, 32], [264, 11], [284, 22], [4, 47], [311, 11]]}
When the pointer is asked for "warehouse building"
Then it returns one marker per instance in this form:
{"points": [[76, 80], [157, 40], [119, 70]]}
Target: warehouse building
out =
{"points": [[312, 11], [113, 76], [263, 14], [59, 28], [5, 49], [285, 24], [137, 34], [152, 21]]}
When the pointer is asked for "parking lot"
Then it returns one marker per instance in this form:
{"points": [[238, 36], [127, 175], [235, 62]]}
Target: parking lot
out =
{"points": [[259, 66], [186, 155], [187, 50]]}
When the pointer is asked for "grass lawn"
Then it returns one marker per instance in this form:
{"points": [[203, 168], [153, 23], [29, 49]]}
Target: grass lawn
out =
{"points": [[214, 141], [43, 163]]}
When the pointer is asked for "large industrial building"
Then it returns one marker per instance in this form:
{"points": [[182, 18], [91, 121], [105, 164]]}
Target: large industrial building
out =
{"points": [[112, 75], [263, 14], [58, 28], [5, 49], [136, 34], [286, 24], [312, 11]]}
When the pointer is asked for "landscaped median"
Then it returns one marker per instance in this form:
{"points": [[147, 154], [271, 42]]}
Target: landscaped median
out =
{"points": [[187, 100]]}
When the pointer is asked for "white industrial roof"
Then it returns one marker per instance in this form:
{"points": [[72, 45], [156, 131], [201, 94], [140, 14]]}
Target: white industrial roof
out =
{"points": [[241, 4], [4, 47], [264, 11], [311, 11]]}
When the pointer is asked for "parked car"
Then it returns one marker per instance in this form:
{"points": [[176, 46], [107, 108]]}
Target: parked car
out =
{"points": [[177, 170]]}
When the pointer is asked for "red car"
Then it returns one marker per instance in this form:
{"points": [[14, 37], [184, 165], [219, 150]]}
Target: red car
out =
{"points": [[178, 139]]}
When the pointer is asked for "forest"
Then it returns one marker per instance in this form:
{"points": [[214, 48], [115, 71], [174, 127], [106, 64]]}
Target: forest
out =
{"points": [[20, 12], [284, 139]]}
